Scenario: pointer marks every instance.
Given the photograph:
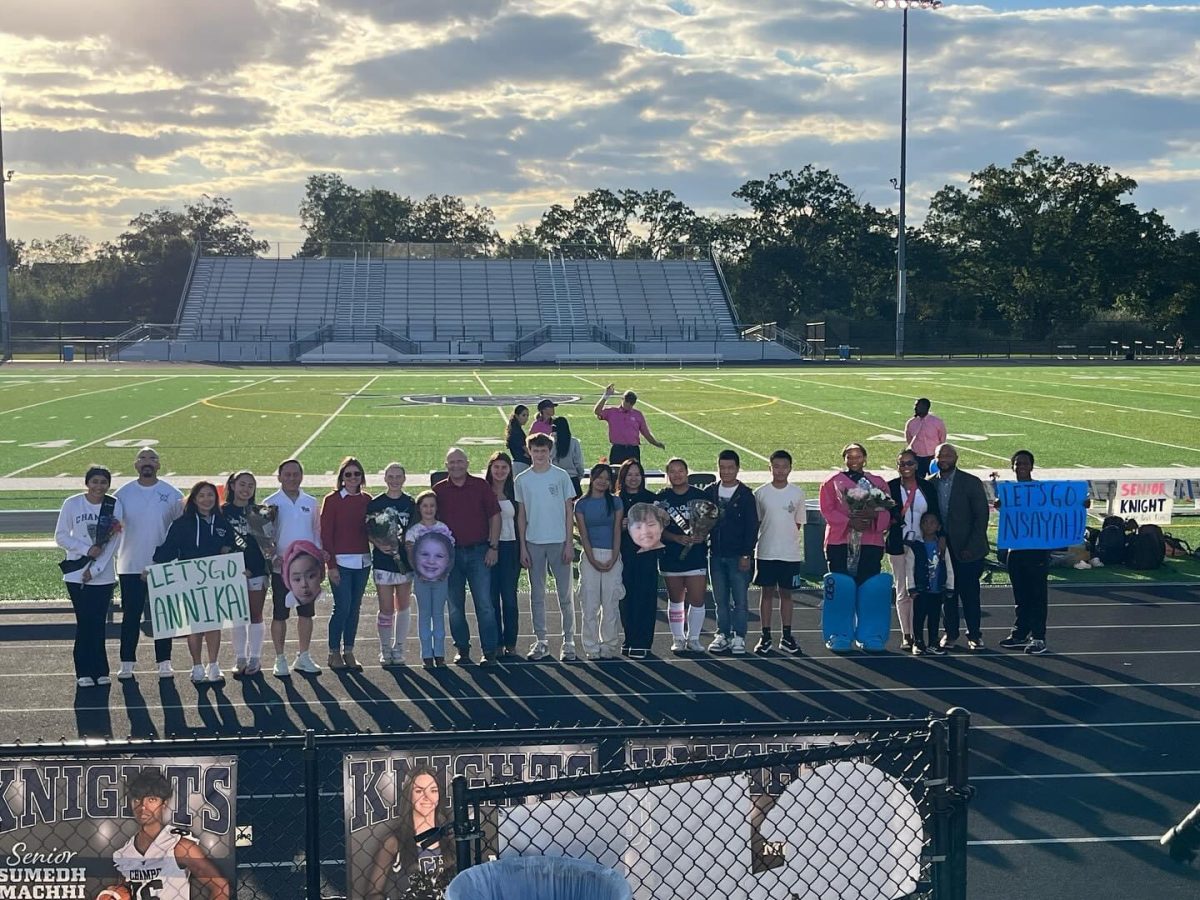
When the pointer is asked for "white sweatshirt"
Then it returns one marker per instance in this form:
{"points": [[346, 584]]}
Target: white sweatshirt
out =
{"points": [[297, 520], [149, 512], [76, 533]]}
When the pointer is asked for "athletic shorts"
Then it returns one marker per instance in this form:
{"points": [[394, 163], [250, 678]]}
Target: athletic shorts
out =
{"points": [[383, 576], [257, 582], [775, 573], [689, 573], [279, 609]]}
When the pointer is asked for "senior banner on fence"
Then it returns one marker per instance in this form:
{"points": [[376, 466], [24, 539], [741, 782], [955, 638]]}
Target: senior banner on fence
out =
{"points": [[148, 829], [192, 596], [1041, 515], [394, 797], [1150, 502]]}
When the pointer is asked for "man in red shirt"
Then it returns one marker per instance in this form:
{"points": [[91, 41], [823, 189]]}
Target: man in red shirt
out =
{"points": [[470, 510], [923, 433], [626, 427]]}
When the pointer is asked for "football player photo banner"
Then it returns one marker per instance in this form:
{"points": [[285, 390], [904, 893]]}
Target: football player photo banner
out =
{"points": [[145, 829], [399, 837]]}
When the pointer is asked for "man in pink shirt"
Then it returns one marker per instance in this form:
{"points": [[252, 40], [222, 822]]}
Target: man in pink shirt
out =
{"points": [[923, 432], [626, 427]]}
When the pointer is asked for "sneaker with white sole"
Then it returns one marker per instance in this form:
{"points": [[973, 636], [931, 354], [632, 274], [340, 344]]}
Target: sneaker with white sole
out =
{"points": [[253, 666], [85, 682], [788, 645], [737, 646], [975, 644], [537, 650], [280, 669], [165, 669], [213, 674], [763, 647], [694, 646], [568, 653], [678, 645], [306, 664], [126, 671], [103, 681], [1036, 647], [197, 674], [239, 667], [398, 656], [719, 644], [1012, 642]]}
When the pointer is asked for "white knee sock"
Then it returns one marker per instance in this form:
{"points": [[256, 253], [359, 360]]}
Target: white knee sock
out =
{"points": [[675, 618], [239, 642], [695, 617], [258, 631], [385, 624], [403, 621]]}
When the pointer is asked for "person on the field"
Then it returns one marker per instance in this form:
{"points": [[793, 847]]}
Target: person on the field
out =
{"points": [[344, 540], [599, 518], [626, 427], [731, 553], [507, 571], [840, 520], [298, 518], [392, 570], [639, 567], [160, 860], [200, 532], [684, 562], [923, 432], [545, 497], [89, 529], [544, 423], [913, 496], [1028, 571], [964, 511], [150, 506], [568, 454], [782, 511], [514, 438], [247, 639]]}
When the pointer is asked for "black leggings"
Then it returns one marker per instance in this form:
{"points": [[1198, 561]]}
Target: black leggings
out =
{"points": [[927, 610]]}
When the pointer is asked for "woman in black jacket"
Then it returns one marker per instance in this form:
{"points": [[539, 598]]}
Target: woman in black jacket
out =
{"points": [[913, 497], [201, 531]]}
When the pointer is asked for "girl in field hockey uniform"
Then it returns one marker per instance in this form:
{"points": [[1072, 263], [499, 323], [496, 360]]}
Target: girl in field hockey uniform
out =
{"points": [[344, 539], [639, 568], [684, 563], [201, 531], [393, 586], [89, 530], [247, 639]]}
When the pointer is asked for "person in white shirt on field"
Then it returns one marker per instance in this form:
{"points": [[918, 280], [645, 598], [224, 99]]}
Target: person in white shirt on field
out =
{"points": [[150, 506], [781, 515], [298, 519], [89, 529]]}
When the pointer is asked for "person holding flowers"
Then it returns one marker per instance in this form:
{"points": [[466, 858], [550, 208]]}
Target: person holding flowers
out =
{"points": [[856, 505], [388, 518], [344, 540], [684, 563], [239, 501]]}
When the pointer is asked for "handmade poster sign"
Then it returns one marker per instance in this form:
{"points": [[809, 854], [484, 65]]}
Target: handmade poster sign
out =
{"points": [[192, 596], [1041, 515]]}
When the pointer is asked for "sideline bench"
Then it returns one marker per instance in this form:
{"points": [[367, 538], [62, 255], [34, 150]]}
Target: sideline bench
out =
{"points": [[636, 359]]}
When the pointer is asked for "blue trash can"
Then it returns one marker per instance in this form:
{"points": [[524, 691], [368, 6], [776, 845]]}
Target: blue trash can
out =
{"points": [[539, 878], [68, 353]]}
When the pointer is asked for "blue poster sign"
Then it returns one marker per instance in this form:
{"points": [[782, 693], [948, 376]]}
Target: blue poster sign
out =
{"points": [[1041, 515]]}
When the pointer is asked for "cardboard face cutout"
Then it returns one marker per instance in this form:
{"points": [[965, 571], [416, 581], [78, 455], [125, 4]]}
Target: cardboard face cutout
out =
{"points": [[433, 556], [645, 523]]}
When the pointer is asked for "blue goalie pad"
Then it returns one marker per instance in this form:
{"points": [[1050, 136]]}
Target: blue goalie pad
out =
{"points": [[837, 612], [873, 613]]}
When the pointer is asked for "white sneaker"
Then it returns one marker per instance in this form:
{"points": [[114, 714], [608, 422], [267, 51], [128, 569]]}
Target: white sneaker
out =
{"points": [[397, 656], [165, 670], [305, 663], [720, 644], [126, 671], [281, 669], [737, 646], [214, 673], [678, 645], [85, 682], [1097, 563], [239, 667], [694, 646], [197, 674], [537, 650], [568, 653], [103, 681]]}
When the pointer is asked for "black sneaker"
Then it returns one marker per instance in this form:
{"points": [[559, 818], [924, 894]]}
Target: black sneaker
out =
{"points": [[1036, 647], [934, 650], [788, 644], [462, 657], [1012, 642], [763, 647]]}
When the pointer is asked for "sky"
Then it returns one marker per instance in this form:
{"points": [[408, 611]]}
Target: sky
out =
{"points": [[118, 107]]}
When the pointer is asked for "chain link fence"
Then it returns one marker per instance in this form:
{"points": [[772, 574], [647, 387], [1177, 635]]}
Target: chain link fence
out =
{"points": [[816, 809]]}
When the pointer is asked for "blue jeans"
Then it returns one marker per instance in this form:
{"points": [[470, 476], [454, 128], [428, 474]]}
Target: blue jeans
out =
{"points": [[730, 587], [504, 591], [431, 617], [347, 601], [469, 569]]}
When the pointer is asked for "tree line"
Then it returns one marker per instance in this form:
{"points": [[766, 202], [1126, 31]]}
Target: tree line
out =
{"points": [[1032, 245]]}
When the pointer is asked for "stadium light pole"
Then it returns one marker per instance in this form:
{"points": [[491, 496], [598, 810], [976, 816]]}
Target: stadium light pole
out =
{"points": [[901, 273], [5, 323]]}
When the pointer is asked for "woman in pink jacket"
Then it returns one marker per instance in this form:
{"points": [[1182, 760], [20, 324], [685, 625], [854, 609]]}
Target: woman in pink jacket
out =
{"points": [[841, 521]]}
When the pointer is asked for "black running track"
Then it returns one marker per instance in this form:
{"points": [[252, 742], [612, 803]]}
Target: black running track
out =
{"points": [[1080, 758]]}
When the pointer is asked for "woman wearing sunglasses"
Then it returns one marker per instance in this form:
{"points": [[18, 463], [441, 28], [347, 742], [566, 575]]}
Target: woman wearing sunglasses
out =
{"points": [[344, 538]]}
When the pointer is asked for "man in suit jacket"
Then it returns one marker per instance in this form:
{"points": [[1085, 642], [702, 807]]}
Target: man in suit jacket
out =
{"points": [[964, 510]]}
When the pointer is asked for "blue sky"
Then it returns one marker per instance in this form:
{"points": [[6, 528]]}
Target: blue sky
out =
{"points": [[114, 108]]}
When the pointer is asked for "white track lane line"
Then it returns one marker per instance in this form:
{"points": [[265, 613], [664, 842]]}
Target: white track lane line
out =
{"points": [[1018, 842], [138, 425], [1062, 775], [683, 421], [337, 412], [119, 387], [499, 409]]}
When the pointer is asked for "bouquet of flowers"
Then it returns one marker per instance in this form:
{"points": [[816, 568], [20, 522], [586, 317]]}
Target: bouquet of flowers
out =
{"points": [[701, 518], [387, 531], [863, 498], [260, 522]]}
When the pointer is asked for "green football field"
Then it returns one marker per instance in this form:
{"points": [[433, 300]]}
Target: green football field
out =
{"points": [[209, 420]]}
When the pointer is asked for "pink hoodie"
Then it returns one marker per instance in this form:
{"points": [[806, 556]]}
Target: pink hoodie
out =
{"points": [[837, 513]]}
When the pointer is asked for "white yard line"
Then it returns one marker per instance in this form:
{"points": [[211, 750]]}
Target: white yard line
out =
{"points": [[1088, 402], [705, 431], [119, 387], [337, 412], [1099, 382], [132, 427], [499, 409]]}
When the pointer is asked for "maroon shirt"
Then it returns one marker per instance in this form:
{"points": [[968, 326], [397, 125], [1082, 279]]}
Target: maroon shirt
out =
{"points": [[467, 510]]}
